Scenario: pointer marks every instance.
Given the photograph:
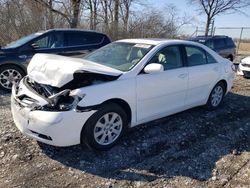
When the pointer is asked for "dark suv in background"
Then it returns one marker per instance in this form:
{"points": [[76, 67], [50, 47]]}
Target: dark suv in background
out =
{"points": [[223, 45], [15, 56]]}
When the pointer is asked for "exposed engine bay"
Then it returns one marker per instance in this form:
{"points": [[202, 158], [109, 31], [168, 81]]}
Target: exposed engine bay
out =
{"points": [[53, 81], [62, 99]]}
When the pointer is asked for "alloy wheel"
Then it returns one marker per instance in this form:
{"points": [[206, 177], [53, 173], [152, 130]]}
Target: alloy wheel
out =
{"points": [[8, 76], [217, 96], [108, 128]]}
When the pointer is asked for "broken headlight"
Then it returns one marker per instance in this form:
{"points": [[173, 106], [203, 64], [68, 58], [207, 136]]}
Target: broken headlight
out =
{"points": [[62, 101], [245, 65]]}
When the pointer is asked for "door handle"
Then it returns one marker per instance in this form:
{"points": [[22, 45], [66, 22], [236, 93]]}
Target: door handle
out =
{"points": [[183, 75], [22, 56]]}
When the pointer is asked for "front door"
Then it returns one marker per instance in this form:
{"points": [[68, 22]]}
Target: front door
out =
{"points": [[163, 93]]}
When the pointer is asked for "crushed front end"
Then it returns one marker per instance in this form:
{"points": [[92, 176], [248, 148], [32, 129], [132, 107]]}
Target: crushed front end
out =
{"points": [[47, 114]]}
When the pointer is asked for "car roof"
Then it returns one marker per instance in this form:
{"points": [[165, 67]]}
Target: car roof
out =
{"points": [[157, 41], [209, 37], [150, 41], [71, 29]]}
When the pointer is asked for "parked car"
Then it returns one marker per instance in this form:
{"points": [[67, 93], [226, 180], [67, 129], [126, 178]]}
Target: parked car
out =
{"points": [[15, 56], [244, 67], [126, 83], [223, 45]]}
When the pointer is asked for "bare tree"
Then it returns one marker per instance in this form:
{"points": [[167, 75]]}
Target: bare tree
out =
{"points": [[76, 11], [125, 12], [92, 6], [213, 8], [104, 4], [116, 19], [164, 23], [72, 16]]}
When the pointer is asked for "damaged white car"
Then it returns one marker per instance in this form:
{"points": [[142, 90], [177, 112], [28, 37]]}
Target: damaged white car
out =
{"points": [[67, 101], [244, 67]]}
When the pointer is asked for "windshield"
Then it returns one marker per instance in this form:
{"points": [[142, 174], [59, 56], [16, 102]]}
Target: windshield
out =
{"points": [[22, 40], [120, 55]]}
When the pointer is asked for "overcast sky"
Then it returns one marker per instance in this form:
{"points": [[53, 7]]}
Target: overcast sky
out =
{"points": [[228, 20]]}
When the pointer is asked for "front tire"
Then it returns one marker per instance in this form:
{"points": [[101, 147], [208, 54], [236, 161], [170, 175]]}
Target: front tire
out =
{"points": [[105, 127], [216, 96], [8, 75]]}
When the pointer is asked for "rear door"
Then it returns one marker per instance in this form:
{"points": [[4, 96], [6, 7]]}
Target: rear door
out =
{"points": [[80, 43], [203, 72]]}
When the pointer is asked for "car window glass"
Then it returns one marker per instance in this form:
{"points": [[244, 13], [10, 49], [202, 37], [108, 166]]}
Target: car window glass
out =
{"points": [[195, 56], [210, 44], [120, 55], [230, 42], [219, 43], [169, 57], [82, 38], [53, 40], [210, 59]]}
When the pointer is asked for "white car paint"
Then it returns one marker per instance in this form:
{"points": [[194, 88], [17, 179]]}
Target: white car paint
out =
{"points": [[244, 66], [149, 96], [43, 67]]}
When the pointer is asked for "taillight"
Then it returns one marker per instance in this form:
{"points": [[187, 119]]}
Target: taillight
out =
{"points": [[233, 68]]}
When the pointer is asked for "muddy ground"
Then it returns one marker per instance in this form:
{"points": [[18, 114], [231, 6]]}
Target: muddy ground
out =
{"points": [[195, 148]]}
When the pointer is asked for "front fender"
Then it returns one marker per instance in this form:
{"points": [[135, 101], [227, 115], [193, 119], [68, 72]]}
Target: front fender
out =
{"points": [[97, 94]]}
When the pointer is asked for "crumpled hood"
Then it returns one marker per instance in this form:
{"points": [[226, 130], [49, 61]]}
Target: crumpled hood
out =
{"points": [[246, 60], [55, 70]]}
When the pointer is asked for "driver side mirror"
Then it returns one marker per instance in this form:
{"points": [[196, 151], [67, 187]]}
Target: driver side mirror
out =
{"points": [[153, 68]]}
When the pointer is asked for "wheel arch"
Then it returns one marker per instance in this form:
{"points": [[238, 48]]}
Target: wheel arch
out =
{"points": [[14, 64], [224, 82], [117, 101], [123, 104]]}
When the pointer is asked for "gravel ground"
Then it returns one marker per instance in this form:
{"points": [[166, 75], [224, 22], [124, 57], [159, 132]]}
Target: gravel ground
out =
{"points": [[195, 148]]}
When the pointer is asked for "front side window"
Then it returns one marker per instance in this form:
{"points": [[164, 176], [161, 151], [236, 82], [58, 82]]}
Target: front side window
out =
{"points": [[195, 56], [210, 59], [50, 41], [120, 55], [169, 57], [22, 40]]}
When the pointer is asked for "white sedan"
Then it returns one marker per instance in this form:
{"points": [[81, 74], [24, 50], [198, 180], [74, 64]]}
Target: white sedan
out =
{"points": [[244, 67], [67, 101]]}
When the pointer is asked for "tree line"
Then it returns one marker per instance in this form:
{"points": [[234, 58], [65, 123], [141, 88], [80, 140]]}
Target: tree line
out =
{"points": [[117, 18]]}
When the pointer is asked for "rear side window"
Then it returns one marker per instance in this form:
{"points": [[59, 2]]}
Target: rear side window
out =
{"points": [[195, 56], [230, 42], [209, 43], [219, 43], [82, 38]]}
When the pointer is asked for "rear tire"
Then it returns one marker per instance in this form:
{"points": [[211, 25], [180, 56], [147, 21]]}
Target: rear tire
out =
{"points": [[230, 57], [9, 74], [216, 96], [105, 127]]}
